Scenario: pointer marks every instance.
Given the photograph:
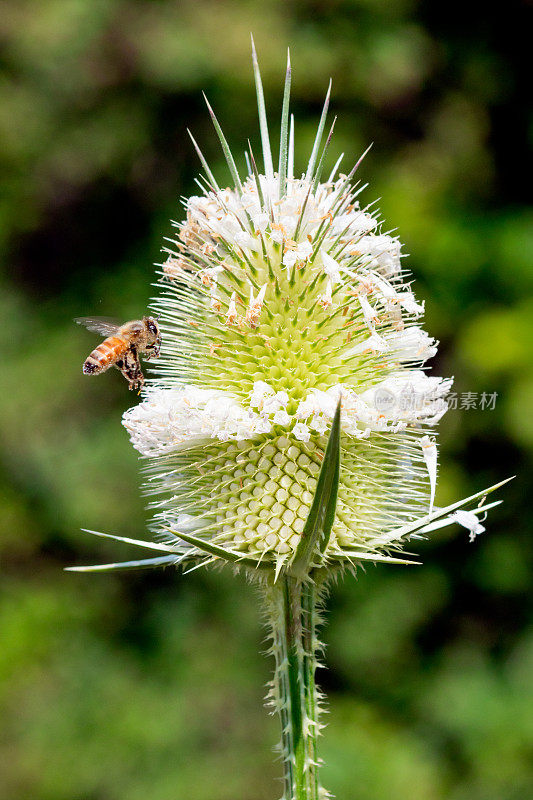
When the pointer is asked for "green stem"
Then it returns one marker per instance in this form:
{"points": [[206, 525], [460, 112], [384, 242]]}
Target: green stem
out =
{"points": [[309, 618], [291, 606]]}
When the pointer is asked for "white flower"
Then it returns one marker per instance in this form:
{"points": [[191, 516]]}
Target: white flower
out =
{"points": [[373, 342], [412, 344], [326, 300], [331, 268], [277, 235], [469, 521], [262, 425], [274, 403], [320, 424], [290, 258], [169, 418], [259, 392], [357, 223], [381, 253], [260, 221], [301, 432], [407, 301], [370, 314], [210, 275], [307, 407], [244, 239]]}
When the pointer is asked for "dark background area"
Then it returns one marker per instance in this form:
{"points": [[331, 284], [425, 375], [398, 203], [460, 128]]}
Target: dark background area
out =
{"points": [[151, 684]]}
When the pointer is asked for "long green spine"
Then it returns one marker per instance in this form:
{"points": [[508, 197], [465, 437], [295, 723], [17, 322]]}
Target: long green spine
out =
{"points": [[284, 140]]}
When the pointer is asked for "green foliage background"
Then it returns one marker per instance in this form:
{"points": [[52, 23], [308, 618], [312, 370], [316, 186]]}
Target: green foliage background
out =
{"points": [[151, 685]]}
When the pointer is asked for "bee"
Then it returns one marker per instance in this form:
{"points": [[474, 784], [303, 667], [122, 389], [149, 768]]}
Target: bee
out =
{"points": [[122, 347]]}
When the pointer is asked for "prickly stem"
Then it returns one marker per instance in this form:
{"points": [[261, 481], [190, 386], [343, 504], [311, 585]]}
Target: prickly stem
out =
{"points": [[291, 607]]}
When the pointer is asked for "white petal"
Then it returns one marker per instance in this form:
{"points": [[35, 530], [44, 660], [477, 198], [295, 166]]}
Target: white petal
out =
{"points": [[244, 239], [281, 417], [260, 221], [374, 342], [301, 432], [304, 249], [331, 267], [326, 300], [290, 258], [469, 520], [369, 312], [407, 300]]}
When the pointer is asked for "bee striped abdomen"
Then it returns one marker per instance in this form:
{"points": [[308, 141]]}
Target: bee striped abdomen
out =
{"points": [[105, 355]]}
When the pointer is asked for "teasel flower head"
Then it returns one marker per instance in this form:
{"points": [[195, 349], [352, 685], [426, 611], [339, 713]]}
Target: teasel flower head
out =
{"points": [[282, 297]]}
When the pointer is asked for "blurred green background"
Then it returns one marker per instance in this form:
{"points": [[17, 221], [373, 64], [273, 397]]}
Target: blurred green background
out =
{"points": [[150, 685]]}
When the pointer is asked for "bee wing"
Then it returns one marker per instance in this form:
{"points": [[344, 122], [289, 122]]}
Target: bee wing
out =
{"points": [[103, 325]]}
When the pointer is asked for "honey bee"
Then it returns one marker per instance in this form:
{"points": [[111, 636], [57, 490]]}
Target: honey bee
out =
{"points": [[122, 347]]}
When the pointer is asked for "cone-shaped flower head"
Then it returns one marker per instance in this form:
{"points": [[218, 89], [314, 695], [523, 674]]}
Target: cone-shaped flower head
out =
{"points": [[280, 296]]}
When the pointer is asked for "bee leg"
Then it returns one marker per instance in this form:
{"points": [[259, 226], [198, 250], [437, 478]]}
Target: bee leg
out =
{"points": [[131, 369], [153, 350], [122, 368]]}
